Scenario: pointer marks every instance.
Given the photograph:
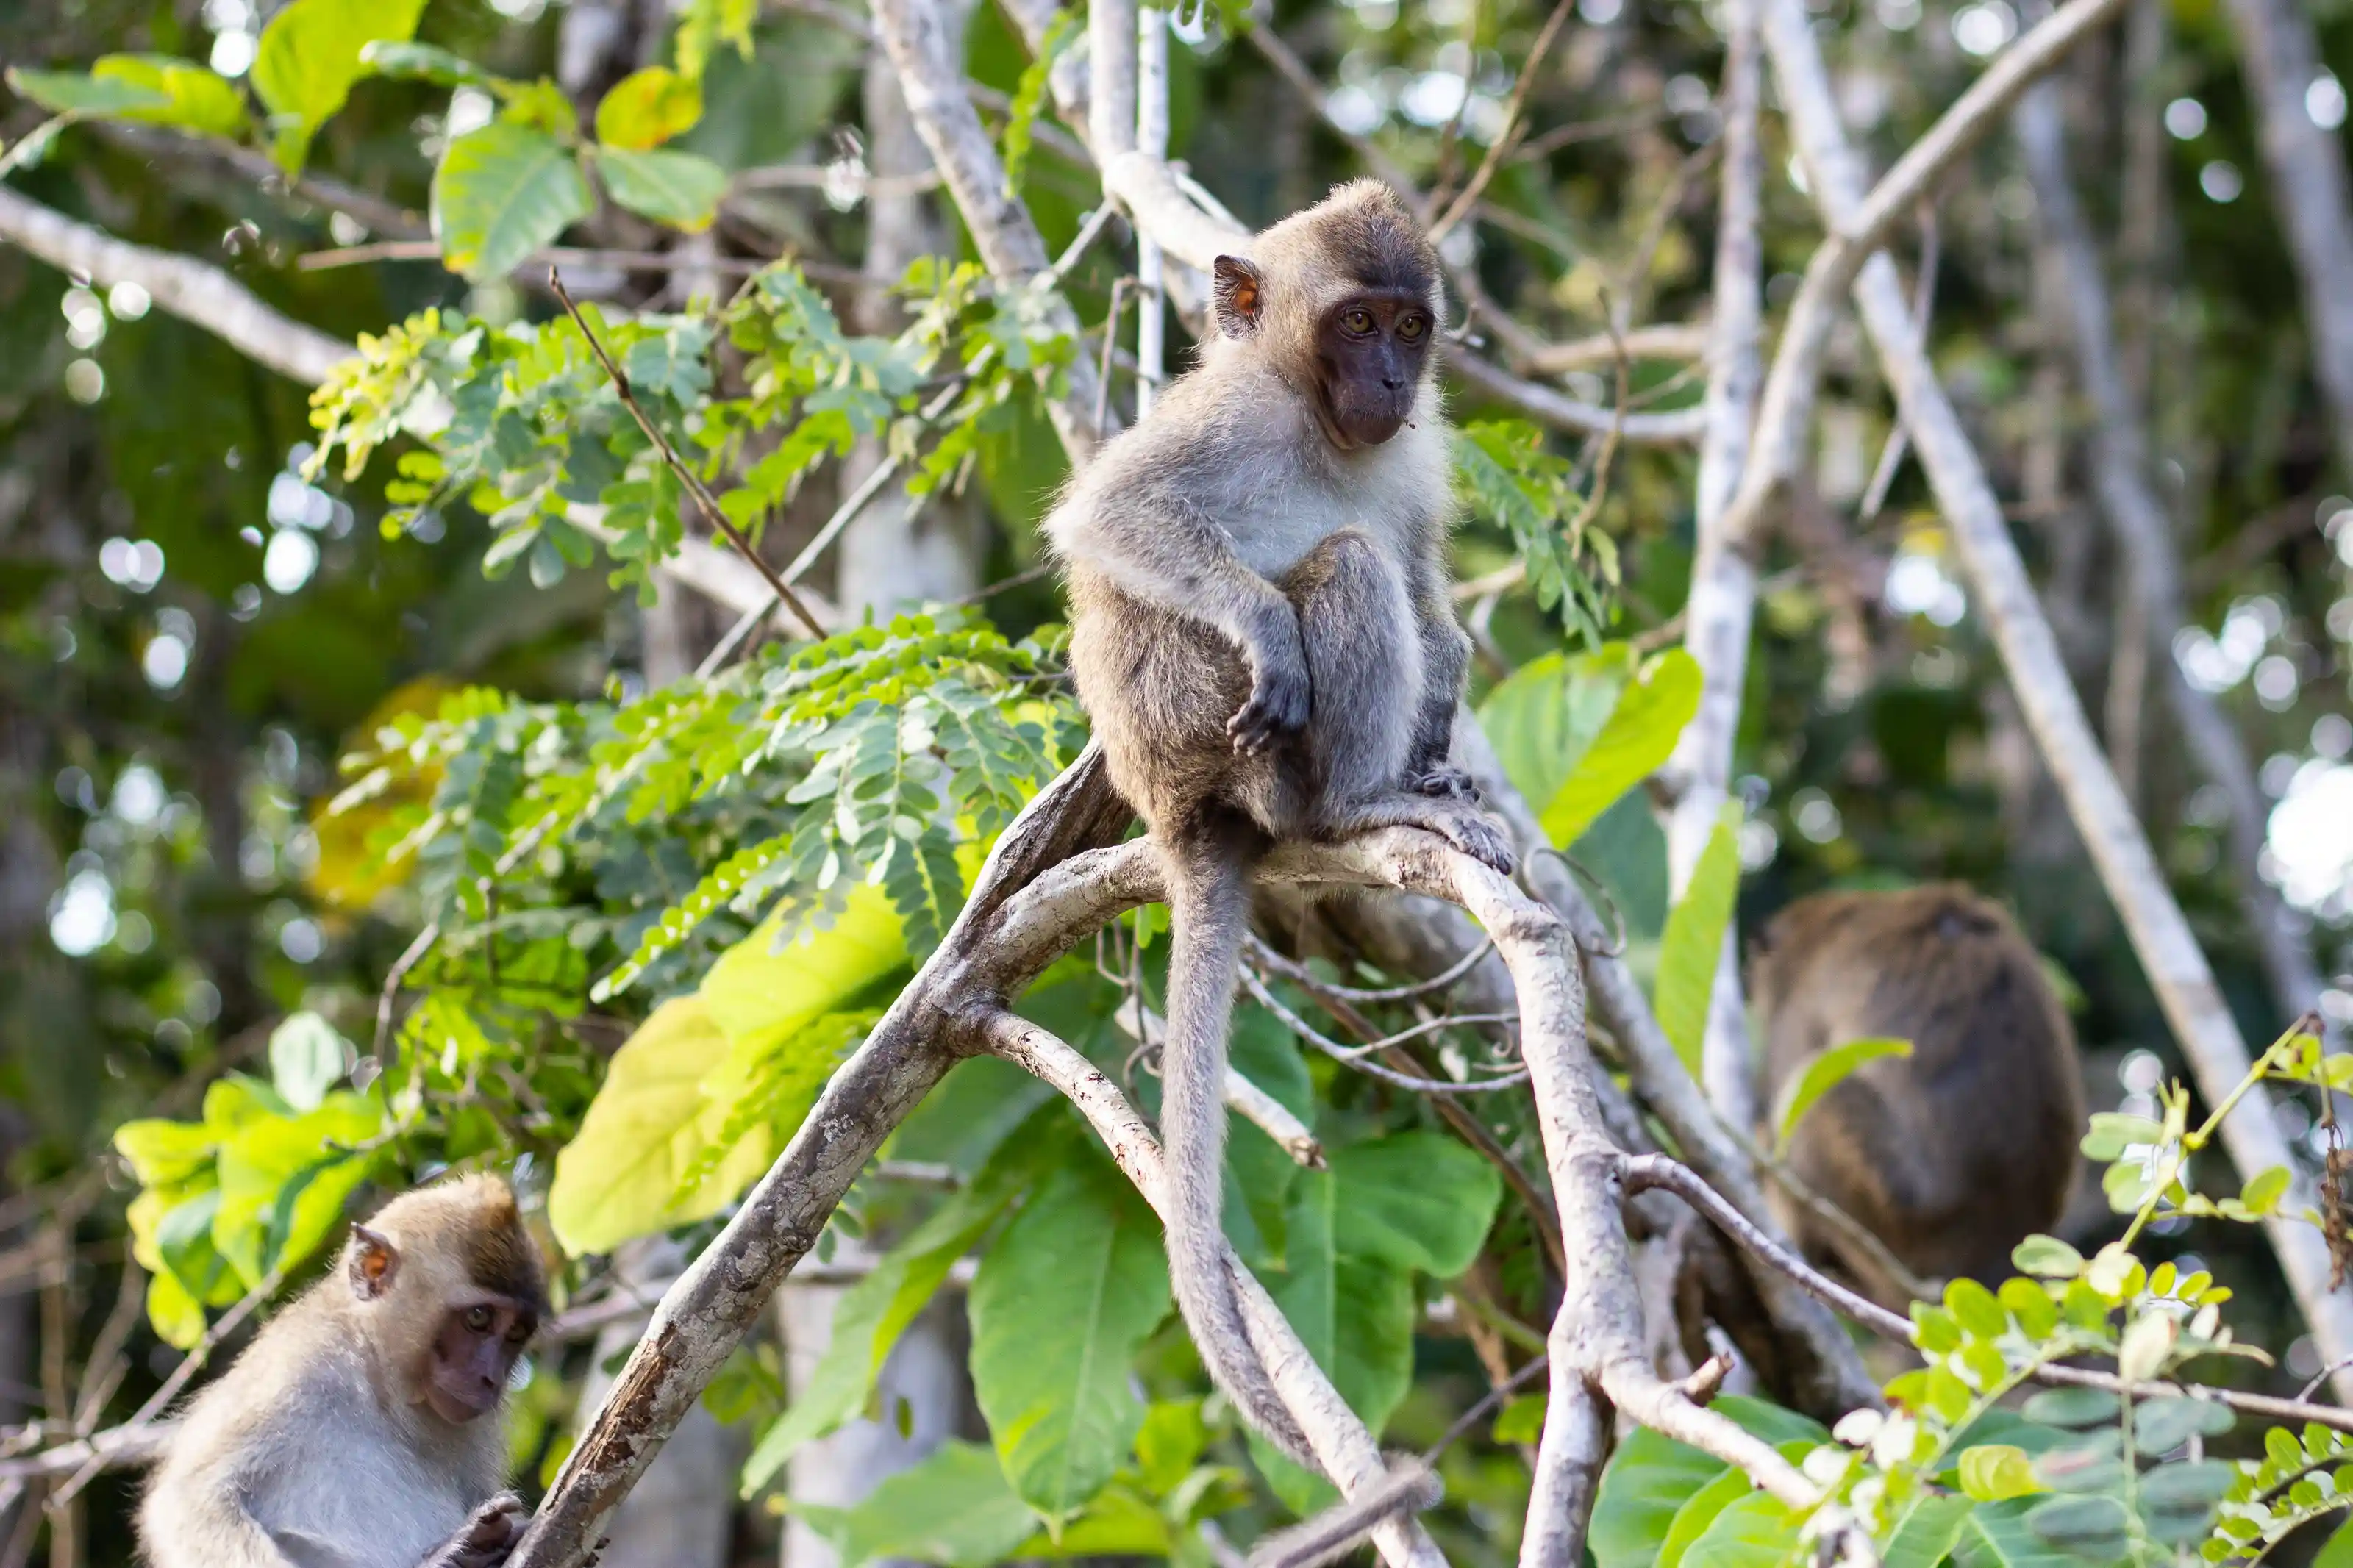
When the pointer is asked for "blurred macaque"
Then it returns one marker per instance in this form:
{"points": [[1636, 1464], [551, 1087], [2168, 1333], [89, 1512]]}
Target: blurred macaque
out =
{"points": [[1949, 1156]]}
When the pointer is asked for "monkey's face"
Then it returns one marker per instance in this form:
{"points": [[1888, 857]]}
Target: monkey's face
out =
{"points": [[473, 1352], [1370, 348]]}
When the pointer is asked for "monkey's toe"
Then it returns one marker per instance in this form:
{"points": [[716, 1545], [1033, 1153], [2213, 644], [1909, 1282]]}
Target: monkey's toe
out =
{"points": [[1448, 783]]}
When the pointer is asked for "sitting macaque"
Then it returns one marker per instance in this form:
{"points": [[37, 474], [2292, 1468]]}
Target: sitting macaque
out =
{"points": [[1953, 1155], [359, 1429]]}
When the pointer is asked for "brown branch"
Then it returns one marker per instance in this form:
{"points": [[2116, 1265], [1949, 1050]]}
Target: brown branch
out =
{"points": [[1514, 108], [703, 500]]}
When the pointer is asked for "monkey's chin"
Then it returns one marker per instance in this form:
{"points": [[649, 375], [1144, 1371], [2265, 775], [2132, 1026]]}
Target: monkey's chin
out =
{"points": [[1351, 431], [456, 1411]]}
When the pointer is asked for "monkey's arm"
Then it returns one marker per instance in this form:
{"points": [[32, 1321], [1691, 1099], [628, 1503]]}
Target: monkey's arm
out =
{"points": [[198, 1518], [1153, 545], [1445, 661]]}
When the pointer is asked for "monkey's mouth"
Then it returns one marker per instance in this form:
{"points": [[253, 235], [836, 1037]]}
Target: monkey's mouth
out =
{"points": [[1351, 422]]}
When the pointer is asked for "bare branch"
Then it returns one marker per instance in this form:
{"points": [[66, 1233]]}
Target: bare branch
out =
{"points": [[1679, 427], [2005, 598], [1506, 138], [195, 291], [1661, 340]]}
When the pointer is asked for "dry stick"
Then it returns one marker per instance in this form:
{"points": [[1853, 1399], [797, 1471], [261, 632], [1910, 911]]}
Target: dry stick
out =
{"points": [[1512, 108], [1353, 1056], [703, 500], [2146, 538], [1924, 307], [2177, 968]]}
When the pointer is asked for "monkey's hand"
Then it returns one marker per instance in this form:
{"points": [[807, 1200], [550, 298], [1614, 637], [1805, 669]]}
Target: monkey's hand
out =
{"points": [[486, 1538], [1478, 836], [1277, 706], [1445, 783]]}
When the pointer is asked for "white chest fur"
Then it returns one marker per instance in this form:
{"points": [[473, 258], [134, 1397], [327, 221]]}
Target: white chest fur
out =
{"points": [[331, 1511]]}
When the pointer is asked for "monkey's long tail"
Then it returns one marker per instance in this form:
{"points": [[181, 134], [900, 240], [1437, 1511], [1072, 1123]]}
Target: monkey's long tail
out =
{"points": [[1208, 910]]}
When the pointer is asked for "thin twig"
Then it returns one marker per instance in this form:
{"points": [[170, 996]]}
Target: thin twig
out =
{"points": [[1351, 1056], [703, 500], [1292, 969], [1512, 108]]}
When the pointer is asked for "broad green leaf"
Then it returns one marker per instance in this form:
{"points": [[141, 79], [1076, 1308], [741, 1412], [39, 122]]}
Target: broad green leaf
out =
{"points": [[1641, 732], [306, 1057], [1927, 1534], [1419, 1200], [310, 57], [1993, 1472], [423, 62], [870, 1318], [1756, 1531], [2046, 1258], [1059, 1306], [283, 1182], [1121, 1522], [182, 1246], [1698, 1513], [1823, 1073], [620, 1176], [1520, 1420], [680, 189], [707, 23], [2336, 1551], [2264, 1189], [954, 1508], [72, 92], [1693, 940], [193, 98], [1169, 1444], [502, 193], [1545, 716], [177, 1319], [1649, 1478], [780, 979], [163, 1154], [646, 108]]}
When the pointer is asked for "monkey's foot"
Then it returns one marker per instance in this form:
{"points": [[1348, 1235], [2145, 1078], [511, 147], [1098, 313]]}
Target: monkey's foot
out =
{"points": [[1277, 708], [1476, 834], [1444, 782]]}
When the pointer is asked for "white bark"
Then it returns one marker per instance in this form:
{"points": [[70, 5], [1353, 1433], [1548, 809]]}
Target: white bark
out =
{"points": [[1721, 610], [2005, 600]]}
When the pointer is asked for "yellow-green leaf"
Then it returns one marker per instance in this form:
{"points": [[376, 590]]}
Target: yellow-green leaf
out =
{"points": [[646, 108], [1995, 1471], [310, 57], [1689, 948], [177, 1319], [501, 192], [619, 1177], [1642, 730], [1824, 1073], [680, 189], [193, 98]]}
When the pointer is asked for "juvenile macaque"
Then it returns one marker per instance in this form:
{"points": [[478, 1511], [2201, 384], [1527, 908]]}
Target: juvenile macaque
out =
{"points": [[1953, 1155], [359, 1429], [1263, 636]]}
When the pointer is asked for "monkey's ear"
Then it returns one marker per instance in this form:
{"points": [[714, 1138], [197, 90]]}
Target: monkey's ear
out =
{"points": [[375, 1261], [1242, 295]]}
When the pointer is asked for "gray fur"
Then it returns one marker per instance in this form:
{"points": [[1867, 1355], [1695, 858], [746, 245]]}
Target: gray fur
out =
{"points": [[1263, 636]]}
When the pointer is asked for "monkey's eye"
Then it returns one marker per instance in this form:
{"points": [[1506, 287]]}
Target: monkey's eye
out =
{"points": [[1359, 320], [478, 1319], [1412, 327]]}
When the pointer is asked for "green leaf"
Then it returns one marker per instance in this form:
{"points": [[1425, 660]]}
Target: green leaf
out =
{"points": [[2264, 1189], [310, 57], [1059, 1306], [710, 22], [422, 62], [1698, 1515], [2336, 1551], [1822, 1074], [781, 979], [1995, 1471], [2113, 1131], [954, 1508], [680, 189], [646, 108], [2046, 1258], [2071, 1406], [164, 1153], [1546, 715], [72, 92], [1520, 1420], [620, 1176], [1693, 940], [1757, 1531], [177, 1317], [1928, 1534], [1420, 1200], [1995, 1535], [1649, 1478], [1641, 734], [869, 1320], [284, 1180], [306, 1057], [193, 98], [502, 193]]}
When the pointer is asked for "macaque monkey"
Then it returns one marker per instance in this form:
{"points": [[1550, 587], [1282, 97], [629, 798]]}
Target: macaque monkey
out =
{"points": [[359, 1429], [1953, 1155], [1263, 636]]}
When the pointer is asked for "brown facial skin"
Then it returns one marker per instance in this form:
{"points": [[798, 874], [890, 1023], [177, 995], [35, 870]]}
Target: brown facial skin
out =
{"points": [[1369, 353], [473, 1354]]}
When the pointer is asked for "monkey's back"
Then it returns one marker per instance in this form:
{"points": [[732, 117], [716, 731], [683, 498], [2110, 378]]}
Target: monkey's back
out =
{"points": [[1953, 1154]]}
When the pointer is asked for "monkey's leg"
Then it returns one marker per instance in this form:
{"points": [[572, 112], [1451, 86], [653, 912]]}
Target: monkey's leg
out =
{"points": [[1365, 662]]}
